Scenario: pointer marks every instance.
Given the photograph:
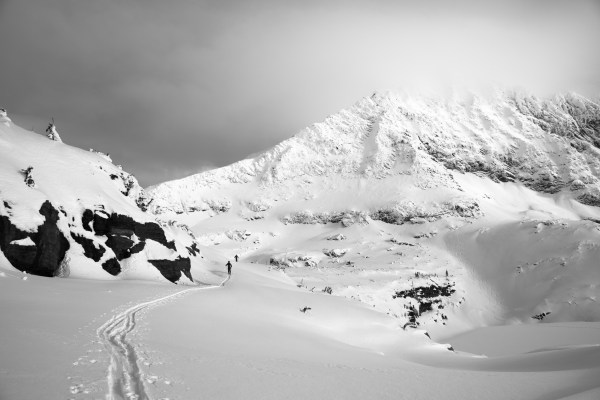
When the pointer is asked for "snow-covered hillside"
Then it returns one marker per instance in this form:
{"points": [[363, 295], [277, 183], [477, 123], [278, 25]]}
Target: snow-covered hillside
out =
{"points": [[444, 211], [547, 145], [69, 212]]}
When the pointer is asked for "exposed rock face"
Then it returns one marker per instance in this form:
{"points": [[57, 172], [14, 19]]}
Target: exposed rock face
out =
{"points": [[89, 247], [50, 244], [121, 230], [112, 266], [172, 269]]}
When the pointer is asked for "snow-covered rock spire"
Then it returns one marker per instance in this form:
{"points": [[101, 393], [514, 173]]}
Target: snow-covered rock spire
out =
{"points": [[52, 133], [4, 117]]}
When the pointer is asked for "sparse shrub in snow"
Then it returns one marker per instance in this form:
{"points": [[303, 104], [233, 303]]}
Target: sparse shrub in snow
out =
{"points": [[52, 133], [28, 178], [328, 290]]}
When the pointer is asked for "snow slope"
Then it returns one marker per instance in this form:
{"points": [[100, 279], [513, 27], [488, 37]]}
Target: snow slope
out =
{"points": [[398, 247], [249, 340], [473, 210], [69, 212]]}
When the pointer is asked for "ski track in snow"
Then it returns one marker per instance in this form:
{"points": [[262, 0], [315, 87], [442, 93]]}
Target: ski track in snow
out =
{"points": [[124, 376]]}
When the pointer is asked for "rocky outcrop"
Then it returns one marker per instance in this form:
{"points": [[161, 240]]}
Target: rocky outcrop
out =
{"points": [[126, 237], [45, 257], [112, 266], [173, 269], [346, 218]]}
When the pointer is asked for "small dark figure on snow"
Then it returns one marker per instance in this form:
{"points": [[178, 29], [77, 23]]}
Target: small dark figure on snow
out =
{"points": [[228, 265], [236, 258], [305, 309]]}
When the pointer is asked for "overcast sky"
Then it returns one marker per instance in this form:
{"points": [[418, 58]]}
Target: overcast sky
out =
{"points": [[170, 88]]}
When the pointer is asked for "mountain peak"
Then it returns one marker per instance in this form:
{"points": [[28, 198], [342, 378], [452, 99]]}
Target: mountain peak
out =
{"points": [[507, 135]]}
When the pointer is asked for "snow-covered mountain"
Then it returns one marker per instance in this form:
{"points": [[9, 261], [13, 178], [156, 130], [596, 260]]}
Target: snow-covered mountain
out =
{"points": [[548, 145], [485, 206], [69, 212]]}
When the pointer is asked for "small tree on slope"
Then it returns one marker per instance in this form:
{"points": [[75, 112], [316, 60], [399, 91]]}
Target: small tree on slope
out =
{"points": [[52, 133]]}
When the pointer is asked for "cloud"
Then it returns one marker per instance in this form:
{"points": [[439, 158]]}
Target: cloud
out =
{"points": [[169, 87]]}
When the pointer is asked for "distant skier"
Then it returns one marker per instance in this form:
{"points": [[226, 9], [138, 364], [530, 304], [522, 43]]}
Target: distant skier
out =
{"points": [[236, 258], [228, 265]]}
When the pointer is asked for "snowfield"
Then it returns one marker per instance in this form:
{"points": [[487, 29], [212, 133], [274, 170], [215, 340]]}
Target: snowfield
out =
{"points": [[407, 247]]}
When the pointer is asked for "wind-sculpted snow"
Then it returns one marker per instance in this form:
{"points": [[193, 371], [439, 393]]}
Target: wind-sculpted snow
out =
{"points": [[548, 145]]}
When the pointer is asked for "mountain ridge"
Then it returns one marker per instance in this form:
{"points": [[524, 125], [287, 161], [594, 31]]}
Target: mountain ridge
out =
{"points": [[548, 145]]}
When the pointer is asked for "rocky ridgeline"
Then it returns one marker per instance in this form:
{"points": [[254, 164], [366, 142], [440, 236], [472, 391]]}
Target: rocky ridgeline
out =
{"points": [[549, 145], [398, 213]]}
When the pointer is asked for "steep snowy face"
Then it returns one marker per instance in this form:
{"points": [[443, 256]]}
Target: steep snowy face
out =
{"points": [[548, 145], [69, 212]]}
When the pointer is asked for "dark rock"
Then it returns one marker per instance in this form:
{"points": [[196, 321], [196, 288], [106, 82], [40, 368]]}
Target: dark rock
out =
{"points": [[120, 245], [172, 269], [124, 225], [89, 247], [112, 266], [193, 249], [138, 247], [86, 219], [50, 244], [589, 199]]}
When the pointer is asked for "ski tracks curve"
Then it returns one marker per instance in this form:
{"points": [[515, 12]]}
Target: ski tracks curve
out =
{"points": [[124, 377]]}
